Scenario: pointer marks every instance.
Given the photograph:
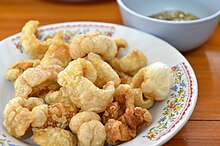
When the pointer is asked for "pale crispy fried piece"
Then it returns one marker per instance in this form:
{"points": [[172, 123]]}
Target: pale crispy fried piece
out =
{"points": [[94, 42], [91, 133], [30, 44], [117, 132], [82, 117], [15, 70], [88, 97], [105, 72], [34, 80], [123, 98], [125, 79], [17, 119], [56, 115], [131, 63], [57, 53], [120, 43], [41, 113], [154, 80], [60, 96], [43, 78], [140, 100], [79, 67], [53, 137], [32, 102]]}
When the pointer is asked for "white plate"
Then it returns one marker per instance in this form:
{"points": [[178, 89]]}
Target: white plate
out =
{"points": [[169, 116]]}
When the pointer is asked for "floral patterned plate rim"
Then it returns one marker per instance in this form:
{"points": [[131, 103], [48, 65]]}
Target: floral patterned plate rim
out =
{"points": [[169, 116]]}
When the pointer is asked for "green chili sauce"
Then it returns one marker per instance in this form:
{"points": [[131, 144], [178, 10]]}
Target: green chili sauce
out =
{"points": [[174, 16]]}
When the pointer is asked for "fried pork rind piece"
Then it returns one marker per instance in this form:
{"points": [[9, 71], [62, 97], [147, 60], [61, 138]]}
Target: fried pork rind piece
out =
{"points": [[43, 78], [34, 80], [125, 78], [88, 97], [15, 70], [94, 42], [126, 127], [155, 81], [105, 73], [17, 119], [131, 63], [136, 118], [123, 98], [57, 53], [117, 132], [82, 117], [30, 43], [75, 68], [56, 115], [53, 137], [60, 96], [79, 67], [32, 102], [113, 111], [140, 100], [91, 133], [120, 43]]}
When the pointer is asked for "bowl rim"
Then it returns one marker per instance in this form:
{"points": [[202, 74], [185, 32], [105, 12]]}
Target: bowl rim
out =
{"points": [[212, 16]]}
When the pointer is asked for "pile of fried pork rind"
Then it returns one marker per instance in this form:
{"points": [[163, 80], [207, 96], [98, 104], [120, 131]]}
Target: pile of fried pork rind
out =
{"points": [[81, 93]]}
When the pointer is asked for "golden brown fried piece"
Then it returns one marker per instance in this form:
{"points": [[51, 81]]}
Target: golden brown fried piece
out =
{"points": [[117, 132], [30, 44], [123, 98], [126, 127], [136, 118], [15, 70], [91, 133], [53, 137], [113, 111], [56, 115], [75, 68], [82, 117], [105, 73], [43, 78], [88, 97], [131, 63], [94, 42], [17, 119], [155, 81]]}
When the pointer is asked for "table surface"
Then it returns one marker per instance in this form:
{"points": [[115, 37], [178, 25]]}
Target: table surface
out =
{"points": [[203, 128]]}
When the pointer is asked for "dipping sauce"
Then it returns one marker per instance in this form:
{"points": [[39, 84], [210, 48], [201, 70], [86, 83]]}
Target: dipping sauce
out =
{"points": [[174, 15]]}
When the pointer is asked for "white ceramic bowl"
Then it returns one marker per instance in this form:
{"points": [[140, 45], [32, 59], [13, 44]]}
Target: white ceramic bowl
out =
{"points": [[184, 35]]}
